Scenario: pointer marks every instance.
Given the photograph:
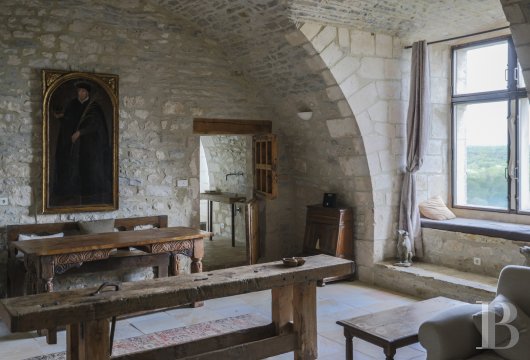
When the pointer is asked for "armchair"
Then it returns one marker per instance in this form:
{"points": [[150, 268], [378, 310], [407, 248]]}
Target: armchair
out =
{"points": [[454, 334]]}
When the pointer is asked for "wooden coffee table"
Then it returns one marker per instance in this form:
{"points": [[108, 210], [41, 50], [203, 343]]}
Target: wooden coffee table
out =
{"points": [[393, 328]]}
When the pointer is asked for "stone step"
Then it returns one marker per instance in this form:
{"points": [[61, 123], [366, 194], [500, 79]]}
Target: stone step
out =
{"points": [[425, 280]]}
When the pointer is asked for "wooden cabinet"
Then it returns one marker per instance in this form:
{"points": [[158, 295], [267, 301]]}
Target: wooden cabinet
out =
{"points": [[329, 231]]}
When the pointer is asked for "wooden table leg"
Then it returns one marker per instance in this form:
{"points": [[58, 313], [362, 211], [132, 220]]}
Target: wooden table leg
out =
{"points": [[45, 273], [390, 351], [349, 345], [162, 271], [196, 263], [72, 342], [305, 320], [282, 307], [210, 218], [233, 208], [93, 341], [196, 257]]}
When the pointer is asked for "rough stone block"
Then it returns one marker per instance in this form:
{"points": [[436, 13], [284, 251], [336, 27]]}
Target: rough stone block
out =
{"points": [[397, 112], [392, 69], [341, 127], [352, 84], [363, 98], [324, 38], [362, 43], [383, 182], [310, 30], [379, 112], [399, 146], [387, 161], [372, 68], [365, 123], [384, 129], [344, 68], [334, 93], [344, 38], [389, 89], [351, 166], [383, 45], [328, 77], [331, 55], [315, 63], [376, 143], [344, 108]]}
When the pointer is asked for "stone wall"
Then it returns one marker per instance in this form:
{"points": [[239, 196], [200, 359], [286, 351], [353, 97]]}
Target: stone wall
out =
{"points": [[169, 74], [457, 250]]}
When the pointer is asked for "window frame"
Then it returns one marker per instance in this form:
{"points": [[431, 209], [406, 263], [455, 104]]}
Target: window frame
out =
{"points": [[511, 96]]}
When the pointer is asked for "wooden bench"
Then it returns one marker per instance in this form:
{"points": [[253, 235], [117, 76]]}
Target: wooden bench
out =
{"points": [[86, 313], [16, 270]]}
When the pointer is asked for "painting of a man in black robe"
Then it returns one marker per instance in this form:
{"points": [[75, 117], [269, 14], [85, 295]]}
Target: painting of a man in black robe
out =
{"points": [[80, 152]]}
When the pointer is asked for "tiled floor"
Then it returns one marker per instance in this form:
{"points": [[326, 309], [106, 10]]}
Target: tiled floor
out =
{"points": [[335, 301], [219, 253]]}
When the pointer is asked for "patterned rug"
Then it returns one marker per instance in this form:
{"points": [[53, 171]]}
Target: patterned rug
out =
{"points": [[175, 336]]}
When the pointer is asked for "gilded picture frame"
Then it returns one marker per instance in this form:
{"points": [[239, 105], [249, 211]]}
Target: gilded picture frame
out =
{"points": [[80, 113]]}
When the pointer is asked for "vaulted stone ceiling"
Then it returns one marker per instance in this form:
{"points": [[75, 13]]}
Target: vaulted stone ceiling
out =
{"points": [[252, 31], [408, 19]]}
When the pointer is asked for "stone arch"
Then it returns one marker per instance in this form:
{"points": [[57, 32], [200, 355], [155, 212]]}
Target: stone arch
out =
{"points": [[368, 69], [324, 154]]}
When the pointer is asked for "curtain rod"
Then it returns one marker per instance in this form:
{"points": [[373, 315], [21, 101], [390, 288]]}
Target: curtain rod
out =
{"points": [[462, 36]]}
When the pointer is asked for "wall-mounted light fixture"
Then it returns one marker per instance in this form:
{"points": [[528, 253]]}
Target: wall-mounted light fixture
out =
{"points": [[305, 115]]}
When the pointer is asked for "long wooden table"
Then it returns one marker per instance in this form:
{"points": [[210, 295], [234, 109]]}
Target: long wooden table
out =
{"points": [[43, 256], [86, 315]]}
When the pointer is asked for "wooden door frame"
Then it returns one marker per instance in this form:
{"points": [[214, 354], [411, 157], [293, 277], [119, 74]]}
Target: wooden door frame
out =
{"points": [[206, 126]]}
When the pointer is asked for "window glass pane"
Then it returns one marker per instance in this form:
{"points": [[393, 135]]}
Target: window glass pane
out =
{"points": [[520, 78], [481, 68], [481, 155], [524, 155]]}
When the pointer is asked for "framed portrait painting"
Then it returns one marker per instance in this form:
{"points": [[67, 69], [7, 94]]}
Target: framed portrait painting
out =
{"points": [[80, 142]]}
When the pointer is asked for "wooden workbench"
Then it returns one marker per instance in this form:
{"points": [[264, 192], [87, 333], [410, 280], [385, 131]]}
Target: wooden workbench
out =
{"points": [[87, 316]]}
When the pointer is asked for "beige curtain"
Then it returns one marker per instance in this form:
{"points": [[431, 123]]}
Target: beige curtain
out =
{"points": [[418, 128]]}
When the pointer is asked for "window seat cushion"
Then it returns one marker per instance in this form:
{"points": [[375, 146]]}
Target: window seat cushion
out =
{"points": [[510, 231]]}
